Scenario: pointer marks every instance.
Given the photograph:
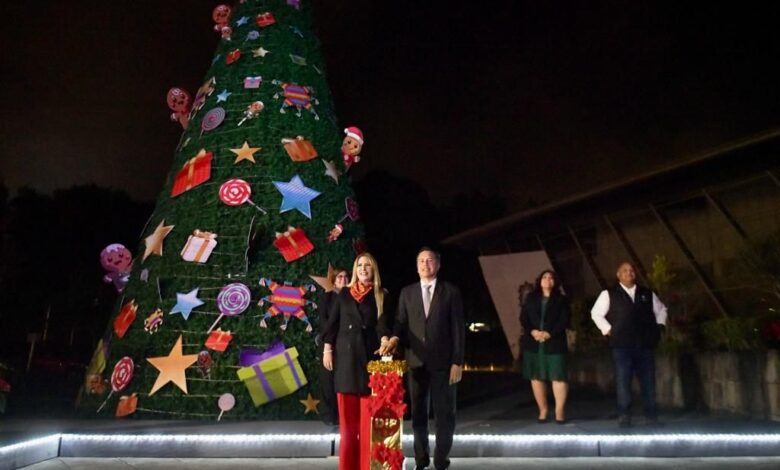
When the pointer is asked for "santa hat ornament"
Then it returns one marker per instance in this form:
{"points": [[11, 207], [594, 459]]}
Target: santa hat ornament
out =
{"points": [[355, 133]]}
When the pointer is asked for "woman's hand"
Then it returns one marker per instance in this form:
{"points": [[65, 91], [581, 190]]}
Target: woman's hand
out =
{"points": [[327, 357], [387, 346]]}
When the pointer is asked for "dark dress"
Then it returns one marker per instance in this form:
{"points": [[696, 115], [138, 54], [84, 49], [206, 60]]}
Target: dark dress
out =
{"points": [[545, 361]]}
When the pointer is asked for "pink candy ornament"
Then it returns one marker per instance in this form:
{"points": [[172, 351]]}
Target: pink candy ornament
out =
{"points": [[235, 192]]}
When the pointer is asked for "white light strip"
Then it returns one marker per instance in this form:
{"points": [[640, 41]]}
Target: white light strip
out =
{"points": [[202, 438], [503, 439], [617, 438], [464, 438], [47, 440]]}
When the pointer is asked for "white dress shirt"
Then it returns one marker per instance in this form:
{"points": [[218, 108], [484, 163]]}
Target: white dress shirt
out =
{"points": [[423, 284], [599, 311]]}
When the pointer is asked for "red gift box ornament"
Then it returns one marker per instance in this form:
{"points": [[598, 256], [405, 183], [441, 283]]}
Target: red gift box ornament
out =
{"points": [[196, 171], [219, 340], [265, 19], [125, 318], [233, 56], [293, 244]]}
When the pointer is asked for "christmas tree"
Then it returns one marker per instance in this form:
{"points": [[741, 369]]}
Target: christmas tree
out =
{"points": [[257, 201]]}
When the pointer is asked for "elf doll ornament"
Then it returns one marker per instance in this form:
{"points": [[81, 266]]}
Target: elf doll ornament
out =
{"points": [[351, 146]]}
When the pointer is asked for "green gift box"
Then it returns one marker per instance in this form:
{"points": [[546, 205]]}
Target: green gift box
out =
{"points": [[273, 377]]}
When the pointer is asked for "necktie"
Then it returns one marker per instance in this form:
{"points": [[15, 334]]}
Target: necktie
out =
{"points": [[427, 299]]}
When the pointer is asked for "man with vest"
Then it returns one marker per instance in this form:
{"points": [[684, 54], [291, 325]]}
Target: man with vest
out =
{"points": [[632, 317]]}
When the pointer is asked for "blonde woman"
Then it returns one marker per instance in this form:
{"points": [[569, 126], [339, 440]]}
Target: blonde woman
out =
{"points": [[356, 322]]}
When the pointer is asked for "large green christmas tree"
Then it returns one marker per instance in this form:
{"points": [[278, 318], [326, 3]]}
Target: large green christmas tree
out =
{"points": [[255, 126]]}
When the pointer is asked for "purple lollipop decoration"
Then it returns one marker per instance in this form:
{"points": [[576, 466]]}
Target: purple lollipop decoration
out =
{"points": [[212, 119], [232, 300]]}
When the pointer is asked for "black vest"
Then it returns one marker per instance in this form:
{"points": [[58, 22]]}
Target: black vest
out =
{"points": [[633, 323]]}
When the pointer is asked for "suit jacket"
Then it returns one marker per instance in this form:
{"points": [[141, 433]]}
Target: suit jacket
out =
{"points": [[556, 320], [354, 340], [436, 342]]}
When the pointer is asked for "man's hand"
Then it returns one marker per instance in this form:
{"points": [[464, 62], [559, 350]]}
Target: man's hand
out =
{"points": [[456, 373], [387, 346]]}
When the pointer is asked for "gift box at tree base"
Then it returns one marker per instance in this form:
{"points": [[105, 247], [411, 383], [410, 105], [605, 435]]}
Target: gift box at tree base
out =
{"points": [[216, 312], [386, 413]]}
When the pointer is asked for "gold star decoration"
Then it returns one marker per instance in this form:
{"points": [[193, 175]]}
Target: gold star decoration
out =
{"points": [[245, 153], [324, 282], [172, 368], [154, 242], [311, 404], [331, 170], [259, 52]]}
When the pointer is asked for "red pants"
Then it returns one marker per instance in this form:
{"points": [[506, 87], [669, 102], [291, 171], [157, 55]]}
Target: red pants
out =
{"points": [[355, 431]]}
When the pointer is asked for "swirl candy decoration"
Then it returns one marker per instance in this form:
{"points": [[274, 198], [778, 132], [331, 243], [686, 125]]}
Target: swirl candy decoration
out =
{"points": [[212, 119], [234, 192], [232, 300], [120, 377]]}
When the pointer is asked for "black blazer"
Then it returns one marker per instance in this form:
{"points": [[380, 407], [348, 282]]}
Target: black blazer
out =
{"points": [[324, 308], [354, 340], [556, 320], [438, 341]]}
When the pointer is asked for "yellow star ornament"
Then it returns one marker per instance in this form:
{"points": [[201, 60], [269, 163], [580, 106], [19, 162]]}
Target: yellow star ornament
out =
{"points": [[154, 242], [259, 52], [311, 404], [245, 153], [324, 281], [172, 368]]}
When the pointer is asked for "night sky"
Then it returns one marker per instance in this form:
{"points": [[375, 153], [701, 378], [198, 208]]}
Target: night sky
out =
{"points": [[524, 99]]}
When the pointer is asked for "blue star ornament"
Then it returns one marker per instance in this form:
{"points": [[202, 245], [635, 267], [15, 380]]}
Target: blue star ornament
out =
{"points": [[186, 302], [223, 96], [296, 196], [242, 21]]}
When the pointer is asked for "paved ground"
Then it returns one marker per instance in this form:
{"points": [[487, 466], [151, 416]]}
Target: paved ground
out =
{"points": [[742, 463], [510, 412]]}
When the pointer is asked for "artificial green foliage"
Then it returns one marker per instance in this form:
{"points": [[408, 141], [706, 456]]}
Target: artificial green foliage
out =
{"points": [[200, 208], [660, 278]]}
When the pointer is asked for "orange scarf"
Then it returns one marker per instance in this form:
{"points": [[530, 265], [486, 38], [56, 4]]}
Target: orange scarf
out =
{"points": [[359, 291]]}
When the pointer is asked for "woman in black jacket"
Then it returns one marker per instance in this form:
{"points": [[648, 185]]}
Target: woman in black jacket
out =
{"points": [[339, 278], [357, 320], [545, 317]]}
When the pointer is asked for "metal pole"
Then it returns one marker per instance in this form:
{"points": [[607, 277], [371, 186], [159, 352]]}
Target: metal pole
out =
{"points": [[708, 287], [629, 249], [725, 213], [588, 259]]}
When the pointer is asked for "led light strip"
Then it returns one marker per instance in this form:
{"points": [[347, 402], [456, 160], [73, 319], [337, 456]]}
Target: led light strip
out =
{"points": [[503, 439], [46, 440], [202, 438]]}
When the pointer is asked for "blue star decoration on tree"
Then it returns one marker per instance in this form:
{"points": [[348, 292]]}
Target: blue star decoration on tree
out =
{"points": [[242, 21], [296, 196], [186, 302], [223, 96]]}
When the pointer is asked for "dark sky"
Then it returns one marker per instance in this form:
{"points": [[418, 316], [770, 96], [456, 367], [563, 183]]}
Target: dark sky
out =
{"points": [[527, 99]]}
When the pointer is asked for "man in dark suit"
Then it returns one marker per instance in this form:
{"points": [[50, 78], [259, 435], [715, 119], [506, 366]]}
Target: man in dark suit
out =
{"points": [[430, 324]]}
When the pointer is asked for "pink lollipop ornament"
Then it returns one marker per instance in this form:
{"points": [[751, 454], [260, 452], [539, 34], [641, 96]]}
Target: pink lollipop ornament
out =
{"points": [[232, 300], [353, 210], [226, 402], [212, 119], [235, 192], [120, 377]]}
